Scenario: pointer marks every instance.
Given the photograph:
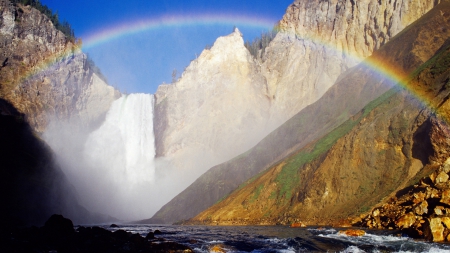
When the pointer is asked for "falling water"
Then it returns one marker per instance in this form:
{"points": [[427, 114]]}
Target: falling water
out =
{"points": [[120, 155]]}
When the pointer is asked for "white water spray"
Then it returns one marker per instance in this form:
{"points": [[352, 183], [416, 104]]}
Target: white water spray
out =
{"points": [[124, 146], [120, 155]]}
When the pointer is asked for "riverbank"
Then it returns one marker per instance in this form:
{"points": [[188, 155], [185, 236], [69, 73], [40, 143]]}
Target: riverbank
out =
{"points": [[59, 235]]}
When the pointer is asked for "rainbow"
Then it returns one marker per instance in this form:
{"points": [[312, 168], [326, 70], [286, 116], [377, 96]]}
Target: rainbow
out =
{"points": [[134, 27], [395, 75]]}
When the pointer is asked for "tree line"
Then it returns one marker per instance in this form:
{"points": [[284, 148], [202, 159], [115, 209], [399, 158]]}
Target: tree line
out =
{"points": [[258, 46], [64, 26]]}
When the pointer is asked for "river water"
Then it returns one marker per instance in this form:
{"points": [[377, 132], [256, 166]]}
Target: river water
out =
{"points": [[282, 239]]}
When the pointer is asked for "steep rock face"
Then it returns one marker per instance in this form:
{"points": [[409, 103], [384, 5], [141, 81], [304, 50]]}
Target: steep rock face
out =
{"points": [[322, 39], [356, 87], [421, 209], [385, 147], [216, 110], [32, 185], [43, 74]]}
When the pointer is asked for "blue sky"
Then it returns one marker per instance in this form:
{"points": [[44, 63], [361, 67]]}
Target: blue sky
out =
{"points": [[139, 61]]}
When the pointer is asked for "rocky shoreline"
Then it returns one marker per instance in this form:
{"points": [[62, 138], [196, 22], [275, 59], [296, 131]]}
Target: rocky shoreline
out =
{"points": [[59, 235], [422, 211]]}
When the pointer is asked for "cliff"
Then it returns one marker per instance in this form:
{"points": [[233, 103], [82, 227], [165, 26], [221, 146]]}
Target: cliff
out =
{"points": [[354, 89], [215, 111], [375, 153], [320, 40], [44, 79], [45, 75], [33, 186]]}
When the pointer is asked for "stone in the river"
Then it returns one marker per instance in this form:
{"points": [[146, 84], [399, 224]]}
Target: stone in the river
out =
{"points": [[434, 230], [353, 232], [298, 225], [150, 235]]}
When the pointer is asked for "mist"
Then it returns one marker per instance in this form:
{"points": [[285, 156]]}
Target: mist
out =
{"points": [[113, 167]]}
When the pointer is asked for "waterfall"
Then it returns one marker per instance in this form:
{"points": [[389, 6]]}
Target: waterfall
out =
{"points": [[120, 155]]}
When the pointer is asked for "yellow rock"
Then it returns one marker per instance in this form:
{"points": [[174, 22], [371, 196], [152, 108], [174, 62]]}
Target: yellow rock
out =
{"points": [[446, 196], [298, 225], [352, 232], [446, 221], [217, 248], [406, 220], [437, 230]]}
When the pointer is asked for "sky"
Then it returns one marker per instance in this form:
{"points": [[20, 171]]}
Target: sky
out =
{"points": [[138, 44]]}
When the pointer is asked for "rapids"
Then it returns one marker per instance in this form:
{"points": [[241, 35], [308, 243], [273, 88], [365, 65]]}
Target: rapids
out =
{"points": [[203, 239]]}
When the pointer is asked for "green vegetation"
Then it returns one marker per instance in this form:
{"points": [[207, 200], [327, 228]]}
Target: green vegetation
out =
{"points": [[260, 44], [256, 194], [438, 63], [62, 26], [288, 177]]}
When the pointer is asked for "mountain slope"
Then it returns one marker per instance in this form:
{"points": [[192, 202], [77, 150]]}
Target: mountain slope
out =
{"points": [[391, 143], [355, 88]]}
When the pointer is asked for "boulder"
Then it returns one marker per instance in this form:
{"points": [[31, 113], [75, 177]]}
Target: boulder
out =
{"points": [[150, 236], [442, 177], [352, 232], [446, 221], [445, 198], [434, 230], [422, 208], [406, 221], [298, 225], [439, 210], [57, 226]]}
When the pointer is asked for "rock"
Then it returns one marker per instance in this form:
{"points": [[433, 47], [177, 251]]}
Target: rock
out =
{"points": [[113, 226], [150, 236], [298, 225], [120, 235], [442, 177], [58, 226], [422, 208], [446, 166], [434, 230], [418, 197], [157, 232], [446, 222], [217, 248], [68, 89], [445, 197], [353, 232], [406, 220], [438, 210]]}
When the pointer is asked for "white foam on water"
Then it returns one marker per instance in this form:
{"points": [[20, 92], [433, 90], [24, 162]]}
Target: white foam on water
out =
{"points": [[353, 249]]}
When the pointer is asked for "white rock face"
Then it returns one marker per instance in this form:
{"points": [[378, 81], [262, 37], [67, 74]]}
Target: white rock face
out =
{"points": [[322, 39], [215, 111]]}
